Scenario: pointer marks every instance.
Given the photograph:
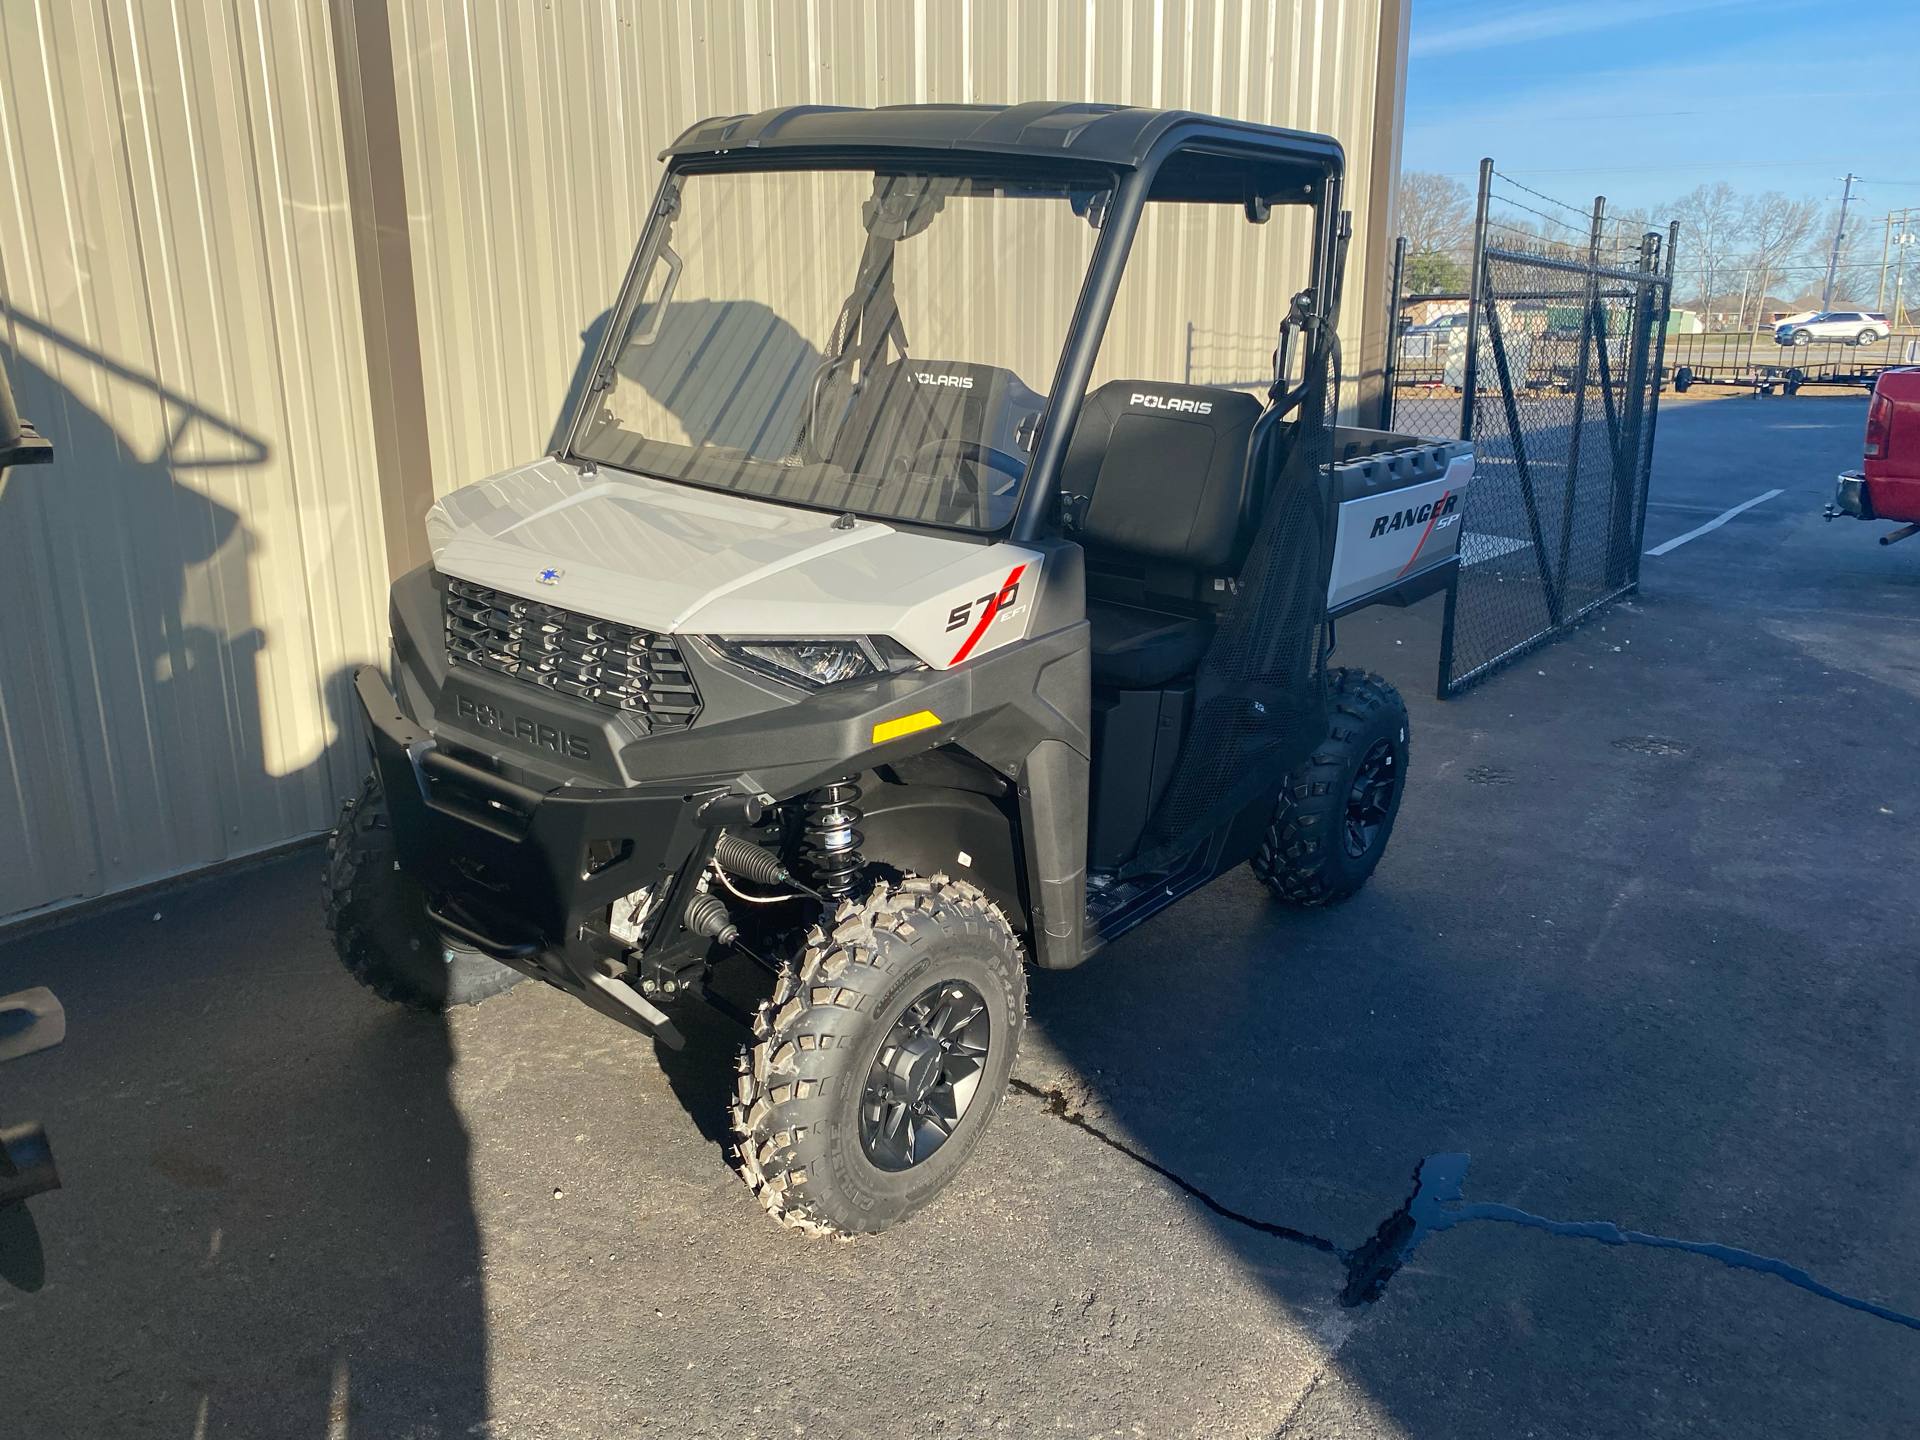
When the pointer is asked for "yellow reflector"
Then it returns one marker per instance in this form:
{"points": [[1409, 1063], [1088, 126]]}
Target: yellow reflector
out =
{"points": [[893, 729]]}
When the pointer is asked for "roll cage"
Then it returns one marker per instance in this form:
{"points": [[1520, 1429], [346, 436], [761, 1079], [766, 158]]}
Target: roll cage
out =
{"points": [[1150, 155]]}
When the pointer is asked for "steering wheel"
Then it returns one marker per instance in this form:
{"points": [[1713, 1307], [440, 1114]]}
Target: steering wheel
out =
{"points": [[958, 465], [930, 457]]}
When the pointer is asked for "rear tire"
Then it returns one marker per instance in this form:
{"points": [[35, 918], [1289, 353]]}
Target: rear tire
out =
{"points": [[1335, 814], [378, 918], [1867, 337], [835, 1137]]}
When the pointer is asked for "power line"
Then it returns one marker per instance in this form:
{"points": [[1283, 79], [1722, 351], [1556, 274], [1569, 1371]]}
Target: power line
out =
{"points": [[1710, 165]]}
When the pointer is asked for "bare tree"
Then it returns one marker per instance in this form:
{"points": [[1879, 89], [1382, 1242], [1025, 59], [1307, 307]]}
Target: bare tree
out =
{"points": [[1709, 217], [1436, 213], [1774, 229]]}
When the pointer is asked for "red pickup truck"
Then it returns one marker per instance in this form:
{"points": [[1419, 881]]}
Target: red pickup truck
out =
{"points": [[1888, 488]]}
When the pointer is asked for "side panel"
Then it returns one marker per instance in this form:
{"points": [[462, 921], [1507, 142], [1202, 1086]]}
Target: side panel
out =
{"points": [[1386, 537], [1053, 820]]}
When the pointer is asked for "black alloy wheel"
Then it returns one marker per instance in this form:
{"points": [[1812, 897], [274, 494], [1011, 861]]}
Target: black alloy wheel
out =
{"points": [[881, 1057], [1334, 815], [925, 1076], [1370, 801]]}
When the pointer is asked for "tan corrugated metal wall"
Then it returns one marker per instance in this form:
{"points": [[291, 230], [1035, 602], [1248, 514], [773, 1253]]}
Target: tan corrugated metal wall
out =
{"points": [[203, 264], [181, 591], [529, 138]]}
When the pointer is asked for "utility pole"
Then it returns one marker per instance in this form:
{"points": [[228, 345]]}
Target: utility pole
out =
{"points": [[1904, 240], [1880, 304], [1899, 234], [1839, 233]]}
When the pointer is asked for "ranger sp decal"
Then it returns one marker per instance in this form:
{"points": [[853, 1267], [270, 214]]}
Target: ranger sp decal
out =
{"points": [[1425, 515]]}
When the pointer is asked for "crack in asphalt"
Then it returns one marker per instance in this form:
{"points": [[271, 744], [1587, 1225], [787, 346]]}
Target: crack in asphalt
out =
{"points": [[1057, 1104], [1439, 1180]]}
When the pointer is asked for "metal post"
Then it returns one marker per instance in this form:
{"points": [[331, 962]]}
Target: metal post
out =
{"points": [[1653, 401], [1580, 388], [1443, 678], [1393, 333], [1189, 375], [1620, 533], [1477, 287]]}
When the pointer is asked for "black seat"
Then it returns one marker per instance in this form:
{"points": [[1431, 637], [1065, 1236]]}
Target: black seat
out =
{"points": [[1137, 649], [1166, 515]]}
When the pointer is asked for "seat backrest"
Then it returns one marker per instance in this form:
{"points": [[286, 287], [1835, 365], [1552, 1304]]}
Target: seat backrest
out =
{"points": [[1165, 470]]}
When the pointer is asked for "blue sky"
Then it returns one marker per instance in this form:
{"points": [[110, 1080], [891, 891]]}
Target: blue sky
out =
{"points": [[1641, 100]]}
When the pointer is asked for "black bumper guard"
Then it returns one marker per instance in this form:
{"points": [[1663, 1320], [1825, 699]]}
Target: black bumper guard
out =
{"points": [[510, 870]]}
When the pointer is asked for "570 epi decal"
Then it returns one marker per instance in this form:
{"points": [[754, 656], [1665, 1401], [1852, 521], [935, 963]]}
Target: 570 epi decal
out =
{"points": [[989, 606]]}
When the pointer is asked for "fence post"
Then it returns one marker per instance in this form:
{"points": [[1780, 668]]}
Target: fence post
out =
{"points": [[1621, 549], [1653, 402], [1469, 382], [1580, 387], [1477, 289], [1393, 333]]}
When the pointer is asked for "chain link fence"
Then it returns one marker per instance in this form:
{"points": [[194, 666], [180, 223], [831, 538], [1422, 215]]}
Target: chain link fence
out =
{"points": [[1549, 363]]}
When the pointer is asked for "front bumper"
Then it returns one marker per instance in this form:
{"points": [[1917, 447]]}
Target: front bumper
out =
{"points": [[513, 871], [1850, 497]]}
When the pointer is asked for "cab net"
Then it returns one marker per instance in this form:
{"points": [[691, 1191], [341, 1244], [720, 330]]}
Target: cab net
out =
{"points": [[1260, 697]]}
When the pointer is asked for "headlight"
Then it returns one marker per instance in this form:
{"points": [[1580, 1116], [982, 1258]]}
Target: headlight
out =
{"points": [[818, 663]]}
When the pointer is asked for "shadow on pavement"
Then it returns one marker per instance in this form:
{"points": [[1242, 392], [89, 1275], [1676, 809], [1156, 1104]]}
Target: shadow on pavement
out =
{"points": [[1653, 985], [266, 1220]]}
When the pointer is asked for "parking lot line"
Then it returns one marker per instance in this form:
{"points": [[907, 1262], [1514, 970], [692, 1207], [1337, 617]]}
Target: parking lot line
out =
{"points": [[1713, 524]]}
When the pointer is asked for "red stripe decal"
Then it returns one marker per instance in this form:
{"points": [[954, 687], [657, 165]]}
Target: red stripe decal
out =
{"points": [[993, 609], [1438, 505]]}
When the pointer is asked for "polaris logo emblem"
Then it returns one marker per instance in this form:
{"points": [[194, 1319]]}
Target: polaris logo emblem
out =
{"points": [[550, 576], [1401, 519], [959, 382], [518, 727], [1173, 402]]}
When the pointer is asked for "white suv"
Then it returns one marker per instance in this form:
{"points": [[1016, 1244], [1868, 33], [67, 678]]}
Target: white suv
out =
{"points": [[1855, 327]]}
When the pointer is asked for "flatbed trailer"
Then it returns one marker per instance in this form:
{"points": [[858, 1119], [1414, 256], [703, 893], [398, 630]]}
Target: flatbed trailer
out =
{"points": [[1757, 361]]}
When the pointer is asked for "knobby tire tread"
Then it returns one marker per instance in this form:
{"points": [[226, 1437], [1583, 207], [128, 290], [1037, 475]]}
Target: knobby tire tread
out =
{"points": [[808, 1037]]}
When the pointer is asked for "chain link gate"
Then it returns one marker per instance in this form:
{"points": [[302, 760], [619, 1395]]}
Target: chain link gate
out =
{"points": [[1555, 370]]}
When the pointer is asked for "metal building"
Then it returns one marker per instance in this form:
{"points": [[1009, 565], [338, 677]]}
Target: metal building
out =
{"points": [[276, 275]]}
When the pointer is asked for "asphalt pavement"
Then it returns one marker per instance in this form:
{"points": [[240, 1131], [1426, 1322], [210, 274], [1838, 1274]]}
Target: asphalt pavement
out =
{"points": [[1643, 948]]}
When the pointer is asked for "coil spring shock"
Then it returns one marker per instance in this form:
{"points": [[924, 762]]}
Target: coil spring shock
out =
{"points": [[830, 837]]}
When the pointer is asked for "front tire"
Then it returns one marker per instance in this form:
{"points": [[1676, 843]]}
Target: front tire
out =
{"points": [[1336, 812], [379, 923], [881, 1058], [1803, 337]]}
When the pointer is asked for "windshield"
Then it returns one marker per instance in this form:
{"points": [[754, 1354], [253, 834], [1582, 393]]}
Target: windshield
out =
{"points": [[847, 340]]}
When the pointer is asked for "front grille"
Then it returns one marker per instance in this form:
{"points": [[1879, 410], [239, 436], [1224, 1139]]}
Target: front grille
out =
{"points": [[632, 671]]}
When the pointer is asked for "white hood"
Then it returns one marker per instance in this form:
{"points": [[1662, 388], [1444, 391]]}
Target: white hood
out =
{"points": [[679, 559]]}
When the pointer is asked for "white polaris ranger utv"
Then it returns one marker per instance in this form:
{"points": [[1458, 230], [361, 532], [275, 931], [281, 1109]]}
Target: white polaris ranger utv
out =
{"points": [[849, 631]]}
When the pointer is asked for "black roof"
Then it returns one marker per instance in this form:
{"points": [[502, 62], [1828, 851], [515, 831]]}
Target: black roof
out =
{"points": [[1121, 136]]}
